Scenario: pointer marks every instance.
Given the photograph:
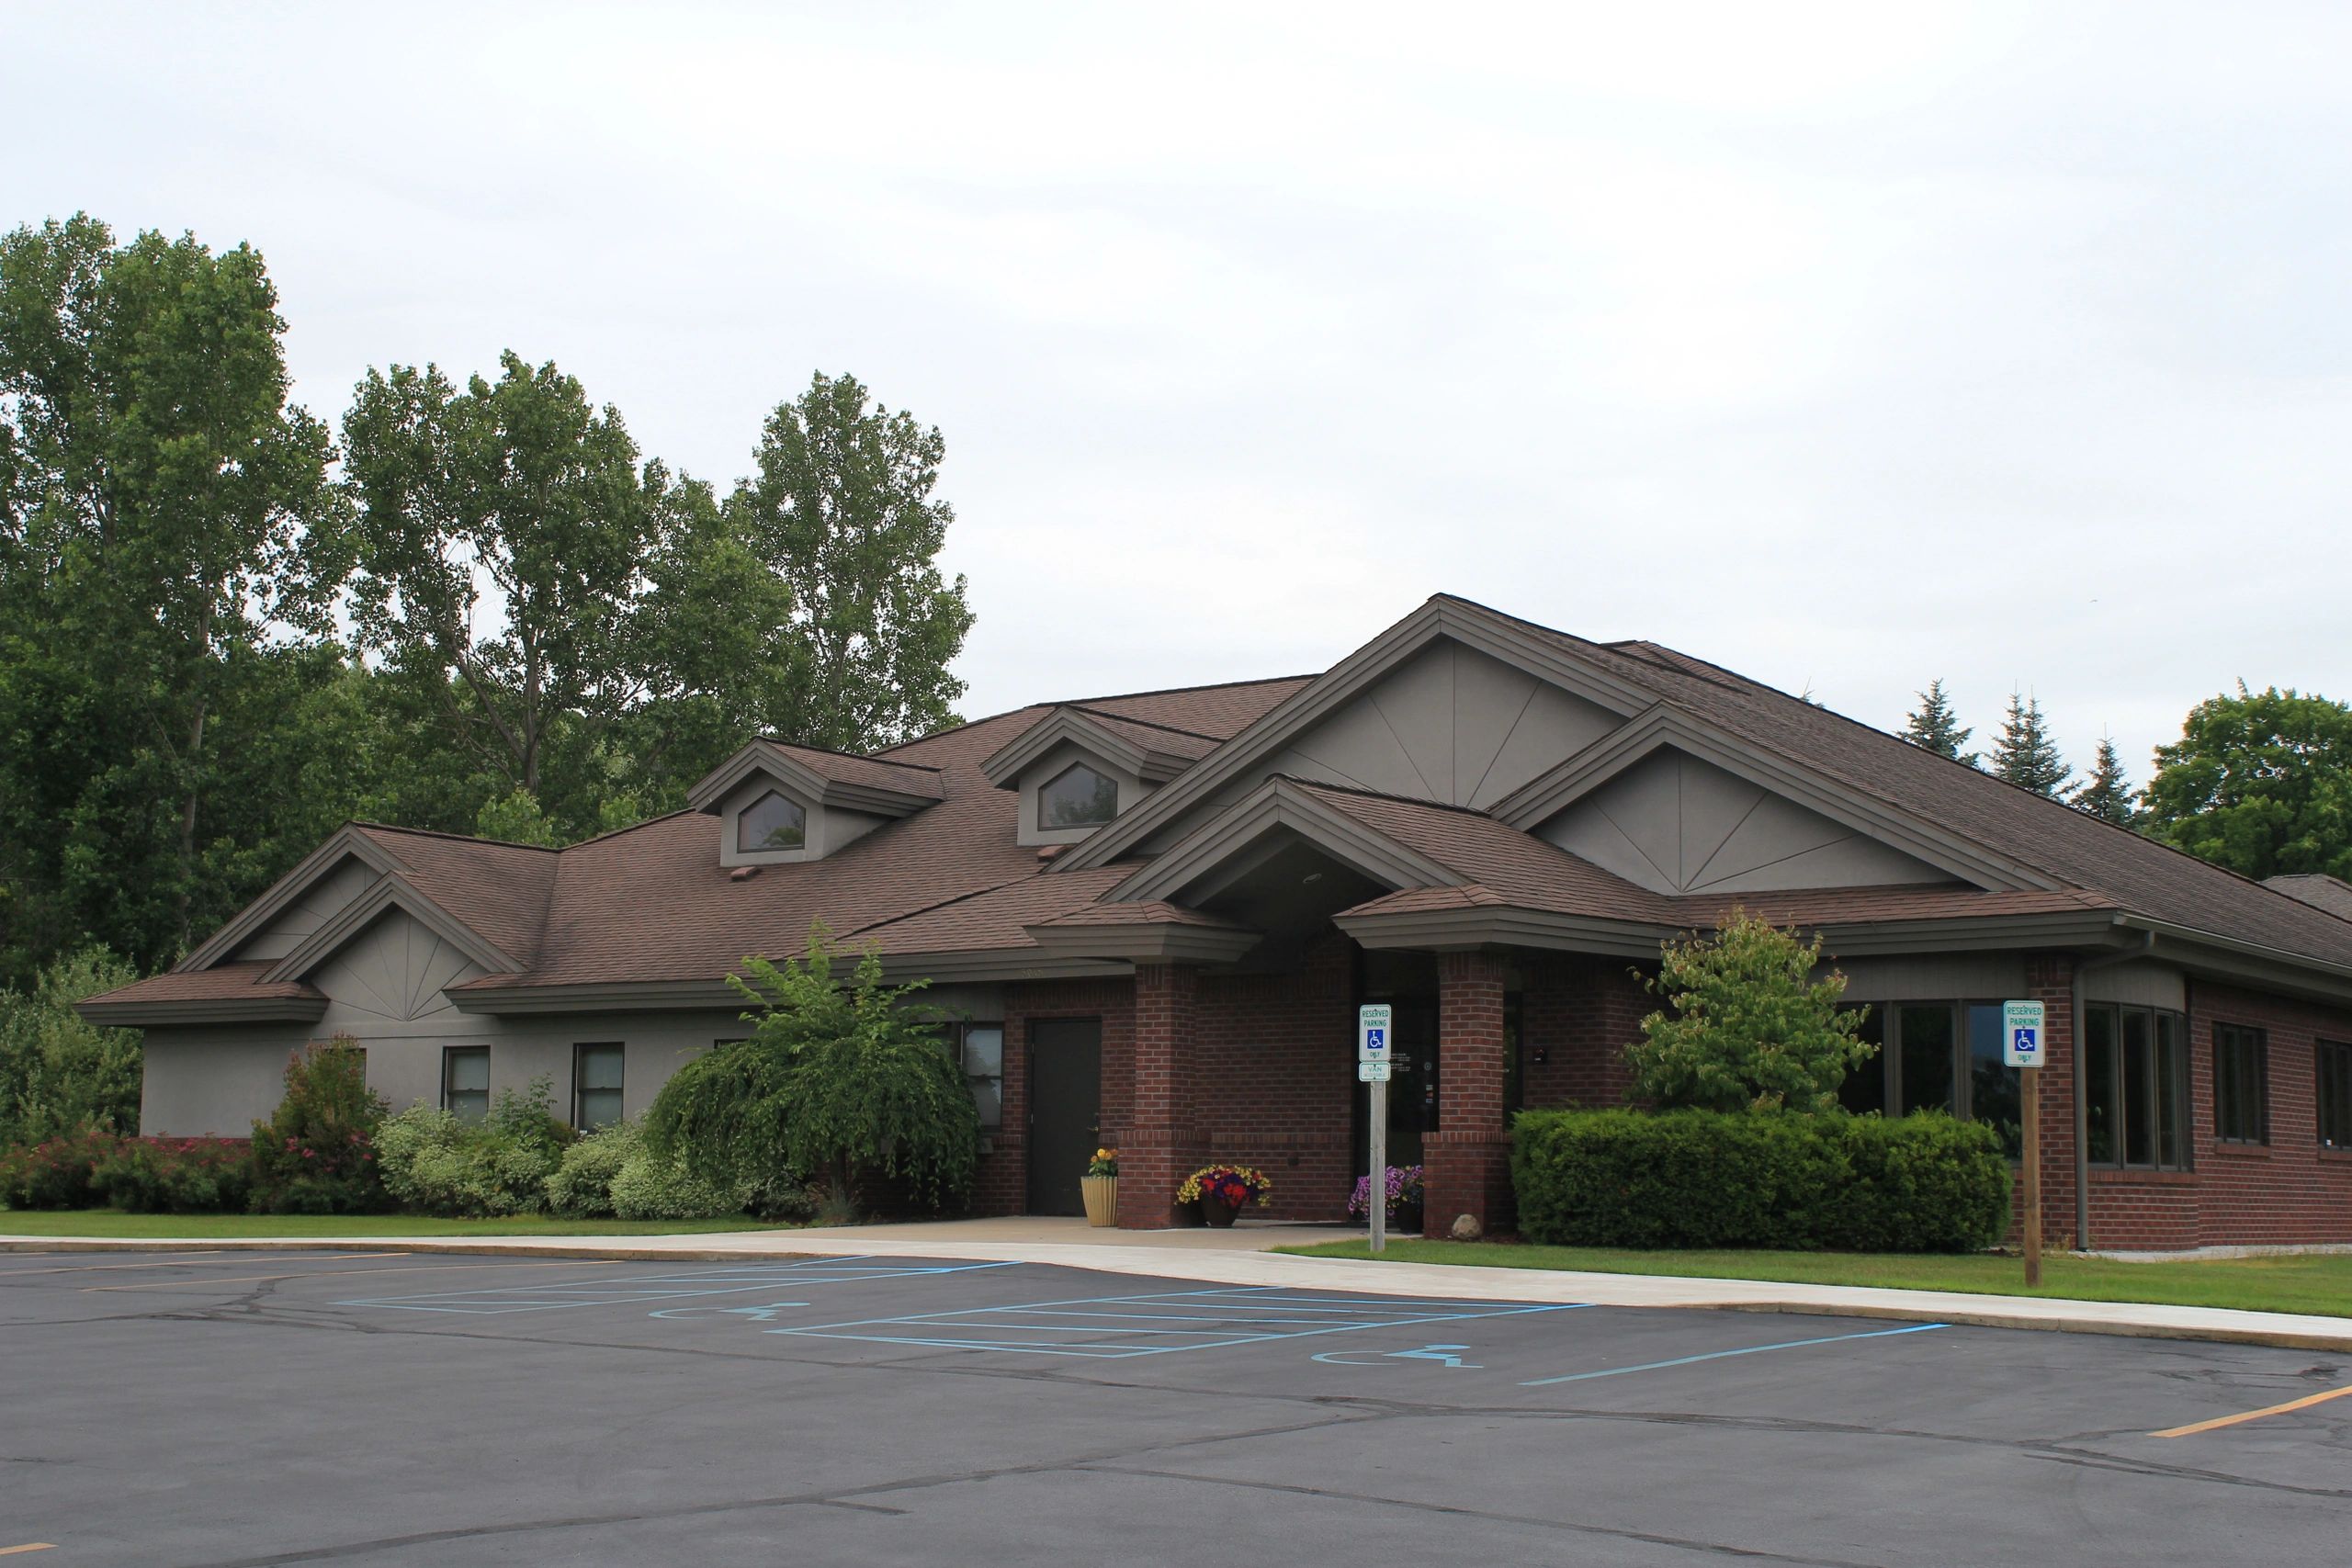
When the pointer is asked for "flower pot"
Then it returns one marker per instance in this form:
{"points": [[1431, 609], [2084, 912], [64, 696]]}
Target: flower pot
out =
{"points": [[1189, 1214], [1407, 1220], [1218, 1213], [1102, 1199]]}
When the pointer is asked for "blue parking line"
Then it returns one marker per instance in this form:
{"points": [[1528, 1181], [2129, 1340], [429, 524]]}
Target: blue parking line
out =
{"points": [[1108, 1327], [1744, 1350]]}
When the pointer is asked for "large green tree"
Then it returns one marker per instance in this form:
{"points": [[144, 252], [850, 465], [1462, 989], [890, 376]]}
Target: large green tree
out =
{"points": [[1746, 1026], [1933, 727], [2259, 782], [499, 538], [158, 500], [841, 512]]}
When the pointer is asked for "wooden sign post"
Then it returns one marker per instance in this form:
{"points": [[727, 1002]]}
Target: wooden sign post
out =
{"points": [[2021, 1035]]}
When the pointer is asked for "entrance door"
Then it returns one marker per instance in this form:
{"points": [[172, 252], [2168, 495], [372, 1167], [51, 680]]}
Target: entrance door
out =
{"points": [[1065, 1110], [1412, 1091]]}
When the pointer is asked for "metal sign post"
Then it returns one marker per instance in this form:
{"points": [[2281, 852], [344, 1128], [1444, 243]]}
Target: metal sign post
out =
{"points": [[1373, 1025], [2021, 1036]]}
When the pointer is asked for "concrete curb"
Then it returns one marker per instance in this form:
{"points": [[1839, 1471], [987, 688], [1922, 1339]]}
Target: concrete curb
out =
{"points": [[1457, 1282]]}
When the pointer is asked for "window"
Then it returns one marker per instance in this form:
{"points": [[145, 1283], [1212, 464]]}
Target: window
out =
{"points": [[2136, 1087], [2240, 1085], [1938, 1056], [771, 822], [465, 1081], [980, 1049], [596, 1086], [1077, 796], [2334, 1093]]}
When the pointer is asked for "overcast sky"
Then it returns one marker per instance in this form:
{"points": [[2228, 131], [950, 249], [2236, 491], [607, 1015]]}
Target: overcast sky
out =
{"points": [[1845, 347]]}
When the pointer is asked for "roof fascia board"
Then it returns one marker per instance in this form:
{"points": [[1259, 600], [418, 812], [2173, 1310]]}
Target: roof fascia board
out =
{"points": [[1275, 803], [1504, 926], [1469, 625], [348, 840], [2234, 958], [221, 1009], [387, 891], [1004, 767], [1550, 793]]}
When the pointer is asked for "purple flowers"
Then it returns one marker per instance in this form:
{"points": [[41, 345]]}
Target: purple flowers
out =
{"points": [[1404, 1187]]}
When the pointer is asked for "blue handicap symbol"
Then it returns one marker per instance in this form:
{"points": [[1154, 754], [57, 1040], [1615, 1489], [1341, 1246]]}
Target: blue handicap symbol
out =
{"points": [[1375, 1039], [2025, 1040], [1447, 1354]]}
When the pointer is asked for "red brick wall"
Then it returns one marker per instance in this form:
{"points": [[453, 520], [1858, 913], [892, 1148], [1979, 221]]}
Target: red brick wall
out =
{"points": [[1277, 1085], [1466, 1162], [1580, 1013], [1003, 1183], [2289, 1190]]}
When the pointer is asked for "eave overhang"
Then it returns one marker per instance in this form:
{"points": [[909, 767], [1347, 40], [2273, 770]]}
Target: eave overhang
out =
{"points": [[503, 996], [211, 1010], [765, 758], [1070, 727]]}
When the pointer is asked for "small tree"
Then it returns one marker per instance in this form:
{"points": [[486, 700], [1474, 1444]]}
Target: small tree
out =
{"points": [[2026, 754], [316, 1155], [835, 1079], [57, 1072], [2108, 795], [1746, 1026], [1933, 727]]}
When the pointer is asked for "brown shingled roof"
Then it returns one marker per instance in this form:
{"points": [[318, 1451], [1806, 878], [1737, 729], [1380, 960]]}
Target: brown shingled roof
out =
{"points": [[238, 981]]}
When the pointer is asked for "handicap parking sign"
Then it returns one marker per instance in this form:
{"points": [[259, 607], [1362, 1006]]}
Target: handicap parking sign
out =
{"points": [[1373, 1020], [1375, 1039], [2021, 1024]]}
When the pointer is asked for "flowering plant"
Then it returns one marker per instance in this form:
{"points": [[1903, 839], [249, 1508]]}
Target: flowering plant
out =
{"points": [[1404, 1187], [1232, 1185], [1104, 1163]]}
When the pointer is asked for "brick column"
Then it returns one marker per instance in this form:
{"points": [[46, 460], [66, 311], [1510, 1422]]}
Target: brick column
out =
{"points": [[1468, 1159], [2050, 980], [1162, 1143]]}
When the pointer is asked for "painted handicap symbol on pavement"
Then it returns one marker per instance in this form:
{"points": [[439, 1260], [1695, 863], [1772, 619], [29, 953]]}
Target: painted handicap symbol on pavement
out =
{"points": [[1445, 1355], [755, 1313]]}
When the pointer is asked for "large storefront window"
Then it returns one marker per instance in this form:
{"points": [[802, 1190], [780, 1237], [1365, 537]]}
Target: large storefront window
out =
{"points": [[2136, 1087], [1938, 1056]]}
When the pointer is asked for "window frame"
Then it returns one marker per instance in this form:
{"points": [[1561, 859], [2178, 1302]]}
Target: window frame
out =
{"points": [[742, 826], [2166, 1061], [1076, 764], [450, 1057], [963, 1043], [2332, 1093], [2246, 1125], [1960, 1067], [580, 1088]]}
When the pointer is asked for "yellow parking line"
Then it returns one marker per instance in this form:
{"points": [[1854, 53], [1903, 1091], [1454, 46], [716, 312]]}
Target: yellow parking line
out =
{"points": [[90, 1268], [2304, 1403], [337, 1273], [29, 1546]]}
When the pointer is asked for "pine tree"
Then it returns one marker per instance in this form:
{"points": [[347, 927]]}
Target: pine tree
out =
{"points": [[1935, 728], [2108, 796], [2026, 755]]}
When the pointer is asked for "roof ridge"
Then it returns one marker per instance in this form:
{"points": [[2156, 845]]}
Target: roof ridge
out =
{"points": [[1384, 795], [1147, 723], [1173, 691], [853, 756], [947, 729], [457, 837]]}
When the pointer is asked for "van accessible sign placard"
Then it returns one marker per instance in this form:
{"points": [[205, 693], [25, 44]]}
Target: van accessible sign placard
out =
{"points": [[2021, 1024]]}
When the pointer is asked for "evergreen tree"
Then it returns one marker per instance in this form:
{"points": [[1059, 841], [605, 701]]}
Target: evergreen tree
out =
{"points": [[1933, 727], [2026, 754], [2108, 795]]}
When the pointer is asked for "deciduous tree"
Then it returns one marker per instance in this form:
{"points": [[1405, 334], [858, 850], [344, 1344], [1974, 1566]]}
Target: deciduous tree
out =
{"points": [[1746, 1026], [2259, 782]]}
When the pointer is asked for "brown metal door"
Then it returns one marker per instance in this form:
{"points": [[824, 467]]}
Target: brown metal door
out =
{"points": [[1065, 1110]]}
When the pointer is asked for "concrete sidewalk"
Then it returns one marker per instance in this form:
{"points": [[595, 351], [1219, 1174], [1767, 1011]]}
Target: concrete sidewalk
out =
{"points": [[1237, 1257]]}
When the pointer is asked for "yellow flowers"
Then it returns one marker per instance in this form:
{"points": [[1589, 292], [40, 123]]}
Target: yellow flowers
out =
{"points": [[1104, 1163]]}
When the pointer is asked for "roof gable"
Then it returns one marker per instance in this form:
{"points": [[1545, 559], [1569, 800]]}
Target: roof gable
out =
{"points": [[349, 842], [872, 785], [1424, 689], [392, 891]]}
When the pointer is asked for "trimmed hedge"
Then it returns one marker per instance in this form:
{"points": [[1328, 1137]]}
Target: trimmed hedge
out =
{"points": [[1706, 1178]]}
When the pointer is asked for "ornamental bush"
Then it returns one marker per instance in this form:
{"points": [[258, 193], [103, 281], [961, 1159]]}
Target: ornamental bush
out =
{"points": [[56, 1173], [1745, 1025], [1700, 1178], [435, 1164], [175, 1176], [316, 1155]]}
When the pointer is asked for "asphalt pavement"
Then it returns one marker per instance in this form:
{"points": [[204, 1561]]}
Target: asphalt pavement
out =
{"points": [[237, 1407]]}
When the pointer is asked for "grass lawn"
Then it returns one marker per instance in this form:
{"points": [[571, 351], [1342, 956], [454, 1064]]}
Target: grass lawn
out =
{"points": [[114, 1224], [2318, 1284]]}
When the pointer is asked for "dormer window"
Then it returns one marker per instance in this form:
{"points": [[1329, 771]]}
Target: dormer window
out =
{"points": [[1077, 796], [772, 822]]}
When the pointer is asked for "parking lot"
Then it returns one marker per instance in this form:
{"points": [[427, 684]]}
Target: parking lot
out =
{"points": [[241, 1407]]}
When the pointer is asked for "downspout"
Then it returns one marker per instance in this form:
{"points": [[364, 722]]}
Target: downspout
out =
{"points": [[2081, 1107]]}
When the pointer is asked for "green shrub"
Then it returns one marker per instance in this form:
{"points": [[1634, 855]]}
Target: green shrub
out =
{"points": [[650, 1187], [175, 1176], [55, 1173], [316, 1155], [1704, 1178], [582, 1185], [1746, 1026], [435, 1164], [58, 1073]]}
